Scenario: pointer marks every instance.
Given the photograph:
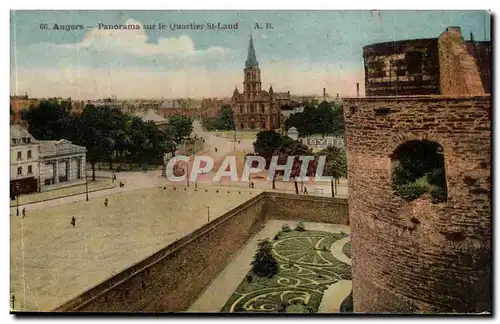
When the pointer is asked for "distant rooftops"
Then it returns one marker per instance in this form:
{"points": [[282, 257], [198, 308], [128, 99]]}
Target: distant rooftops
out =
{"points": [[151, 115]]}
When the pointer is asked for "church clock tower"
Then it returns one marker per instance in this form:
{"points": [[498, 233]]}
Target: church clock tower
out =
{"points": [[251, 83]]}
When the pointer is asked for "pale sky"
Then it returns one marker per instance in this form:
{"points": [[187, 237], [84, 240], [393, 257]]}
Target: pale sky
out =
{"points": [[305, 51]]}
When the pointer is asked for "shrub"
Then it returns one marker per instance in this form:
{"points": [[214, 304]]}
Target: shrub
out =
{"points": [[410, 191], [249, 278], [264, 264], [438, 193], [276, 237], [300, 227], [285, 228]]}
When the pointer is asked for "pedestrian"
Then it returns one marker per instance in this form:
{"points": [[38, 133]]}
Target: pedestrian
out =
{"points": [[106, 202], [250, 184], [305, 190], [24, 212], [114, 177], [215, 150], [253, 185], [73, 221]]}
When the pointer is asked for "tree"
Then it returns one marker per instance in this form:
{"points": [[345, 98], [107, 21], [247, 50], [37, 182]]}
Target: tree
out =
{"points": [[50, 120], [225, 119], [179, 128], [264, 264], [325, 118], [335, 164], [267, 142], [93, 132]]}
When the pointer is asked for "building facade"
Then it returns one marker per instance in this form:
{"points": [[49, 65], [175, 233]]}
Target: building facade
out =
{"points": [[428, 66], [24, 161], [254, 108], [62, 164]]}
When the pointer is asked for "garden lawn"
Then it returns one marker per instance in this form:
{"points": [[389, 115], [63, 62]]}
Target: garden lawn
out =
{"points": [[306, 267]]}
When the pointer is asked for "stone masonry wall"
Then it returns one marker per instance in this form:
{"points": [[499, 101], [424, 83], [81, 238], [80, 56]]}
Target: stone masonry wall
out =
{"points": [[418, 256], [459, 74], [171, 279], [307, 208]]}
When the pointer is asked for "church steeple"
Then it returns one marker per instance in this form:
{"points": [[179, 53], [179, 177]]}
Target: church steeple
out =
{"points": [[251, 58]]}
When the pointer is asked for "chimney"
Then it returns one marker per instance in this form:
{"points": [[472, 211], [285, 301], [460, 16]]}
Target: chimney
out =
{"points": [[357, 89], [324, 94]]}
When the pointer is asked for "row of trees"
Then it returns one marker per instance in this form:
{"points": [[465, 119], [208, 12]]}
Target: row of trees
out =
{"points": [[270, 143], [223, 122], [325, 118], [108, 133]]}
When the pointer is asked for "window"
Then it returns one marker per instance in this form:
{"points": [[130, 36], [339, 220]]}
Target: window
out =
{"points": [[19, 155], [377, 69], [419, 168], [30, 169], [400, 68], [78, 169], [241, 109], [263, 108], [242, 126], [19, 170], [248, 75], [251, 108], [414, 62], [29, 154]]}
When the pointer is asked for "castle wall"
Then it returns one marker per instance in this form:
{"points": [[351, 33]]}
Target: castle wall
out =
{"points": [[418, 256], [482, 53], [402, 68], [171, 279], [307, 208], [459, 73]]}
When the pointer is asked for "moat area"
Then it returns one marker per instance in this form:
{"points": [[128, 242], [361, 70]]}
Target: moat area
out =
{"points": [[314, 273]]}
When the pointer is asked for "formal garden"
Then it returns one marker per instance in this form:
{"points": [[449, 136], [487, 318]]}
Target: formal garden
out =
{"points": [[290, 273]]}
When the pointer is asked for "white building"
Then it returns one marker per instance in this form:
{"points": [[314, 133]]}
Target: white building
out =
{"points": [[24, 160], [62, 164]]}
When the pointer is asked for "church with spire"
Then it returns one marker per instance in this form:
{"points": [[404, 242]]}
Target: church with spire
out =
{"points": [[254, 108]]}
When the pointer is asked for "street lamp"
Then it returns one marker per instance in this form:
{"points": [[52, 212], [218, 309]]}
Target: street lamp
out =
{"points": [[187, 173], [86, 185], [234, 138], [17, 211]]}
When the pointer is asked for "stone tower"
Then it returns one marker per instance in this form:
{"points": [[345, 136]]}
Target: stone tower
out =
{"points": [[422, 255], [251, 83]]}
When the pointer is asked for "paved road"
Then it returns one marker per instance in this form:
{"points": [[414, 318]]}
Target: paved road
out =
{"points": [[224, 146], [132, 180]]}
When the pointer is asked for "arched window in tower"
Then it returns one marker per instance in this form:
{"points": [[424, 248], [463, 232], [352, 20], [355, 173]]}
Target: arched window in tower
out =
{"points": [[418, 168], [262, 108], [248, 75], [248, 87]]}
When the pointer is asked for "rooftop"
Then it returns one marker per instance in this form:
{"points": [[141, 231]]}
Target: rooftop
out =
{"points": [[61, 147]]}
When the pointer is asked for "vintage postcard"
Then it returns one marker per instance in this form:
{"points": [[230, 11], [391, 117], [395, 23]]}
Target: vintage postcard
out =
{"points": [[250, 162]]}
